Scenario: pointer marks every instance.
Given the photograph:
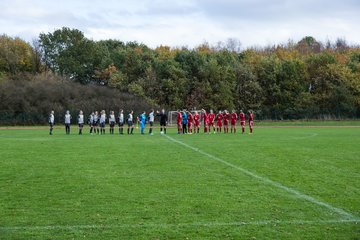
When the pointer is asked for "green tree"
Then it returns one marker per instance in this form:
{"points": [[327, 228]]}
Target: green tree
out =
{"points": [[267, 73], [292, 82], [308, 45], [68, 53], [172, 82], [336, 92], [217, 84], [354, 61], [250, 95]]}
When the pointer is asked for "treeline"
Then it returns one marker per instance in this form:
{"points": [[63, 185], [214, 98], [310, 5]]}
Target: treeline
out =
{"points": [[307, 79], [27, 99]]}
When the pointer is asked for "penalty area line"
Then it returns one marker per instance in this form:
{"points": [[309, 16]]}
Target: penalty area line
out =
{"points": [[346, 215], [309, 136], [174, 225]]}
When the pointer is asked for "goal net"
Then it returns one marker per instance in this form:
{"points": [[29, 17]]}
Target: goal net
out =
{"points": [[172, 117]]}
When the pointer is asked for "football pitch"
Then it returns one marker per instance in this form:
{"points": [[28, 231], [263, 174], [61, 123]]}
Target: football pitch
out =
{"points": [[279, 183]]}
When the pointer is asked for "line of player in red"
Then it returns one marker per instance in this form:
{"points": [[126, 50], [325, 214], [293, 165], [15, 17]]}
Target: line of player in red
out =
{"points": [[189, 122]]}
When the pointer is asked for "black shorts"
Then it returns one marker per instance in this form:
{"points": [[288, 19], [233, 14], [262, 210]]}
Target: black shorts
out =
{"points": [[130, 123], [112, 124], [51, 125], [121, 124], [163, 124], [81, 125], [102, 125], [151, 124], [94, 124]]}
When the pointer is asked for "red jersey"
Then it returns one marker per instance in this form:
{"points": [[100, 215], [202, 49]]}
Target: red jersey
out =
{"points": [[205, 117], [211, 118], [251, 121], [190, 118], [233, 118], [197, 120], [226, 118], [251, 117], [242, 117], [179, 118], [219, 118]]}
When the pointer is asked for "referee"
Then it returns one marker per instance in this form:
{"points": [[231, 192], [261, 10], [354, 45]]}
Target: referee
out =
{"points": [[163, 120]]}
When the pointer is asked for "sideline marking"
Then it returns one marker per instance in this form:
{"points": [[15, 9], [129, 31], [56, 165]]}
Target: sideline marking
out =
{"points": [[171, 225], [348, 216]]}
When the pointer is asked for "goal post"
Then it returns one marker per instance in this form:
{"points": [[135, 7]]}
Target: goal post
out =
{"points": [[172, 116]]}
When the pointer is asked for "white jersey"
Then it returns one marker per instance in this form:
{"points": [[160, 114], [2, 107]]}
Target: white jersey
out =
{"points": [[151, 117], [81, 119], [67, 118], [51, 118], [102, 118], [111, 118], [95, 118], [121, 117], [130, 117]]}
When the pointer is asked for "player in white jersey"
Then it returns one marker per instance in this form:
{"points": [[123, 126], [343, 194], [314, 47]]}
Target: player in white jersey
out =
{"points": [[95, 122], [112, 121], [151, 121], [67, 121], [81, 121], [51, 121], [121, 121], [130, 122], [102, 121], [90, 121]]}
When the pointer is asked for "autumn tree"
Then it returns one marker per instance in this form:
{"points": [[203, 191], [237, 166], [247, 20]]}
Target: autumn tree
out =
{"points": [[16, 55]]}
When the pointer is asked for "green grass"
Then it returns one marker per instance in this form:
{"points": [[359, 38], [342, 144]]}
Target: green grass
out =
{"points": [[319, 123], [153, 187]]}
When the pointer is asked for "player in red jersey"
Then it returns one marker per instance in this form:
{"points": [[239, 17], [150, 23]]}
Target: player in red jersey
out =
{"points": [[226, 121], [251, 121], [179, 121], [242, 121], [233, 120], [219, 119], [196, 122], [190, 122], [205, 117], [211, 120]]}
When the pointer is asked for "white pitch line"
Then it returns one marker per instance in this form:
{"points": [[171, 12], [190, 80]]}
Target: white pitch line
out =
{"points": [[309, 136], [340, 211], [173, 225]]}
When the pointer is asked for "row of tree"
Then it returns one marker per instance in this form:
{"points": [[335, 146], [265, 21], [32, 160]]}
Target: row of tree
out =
{"points": [[28, 99], [307, 79]]}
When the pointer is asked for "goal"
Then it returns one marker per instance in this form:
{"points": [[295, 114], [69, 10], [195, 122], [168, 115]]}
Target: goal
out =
{"points": [[172, 118], [172, 115]]}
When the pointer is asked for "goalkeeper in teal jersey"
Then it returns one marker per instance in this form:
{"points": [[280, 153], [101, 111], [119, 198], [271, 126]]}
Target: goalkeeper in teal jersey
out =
{"points": [[142, 122]]}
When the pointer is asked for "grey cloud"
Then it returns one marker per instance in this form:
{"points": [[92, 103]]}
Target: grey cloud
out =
{"points": [[212, 20], [160, 8], [277, 10]]}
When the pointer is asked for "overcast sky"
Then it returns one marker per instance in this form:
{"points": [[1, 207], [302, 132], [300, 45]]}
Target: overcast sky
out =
{"points": [[184, 22]]}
